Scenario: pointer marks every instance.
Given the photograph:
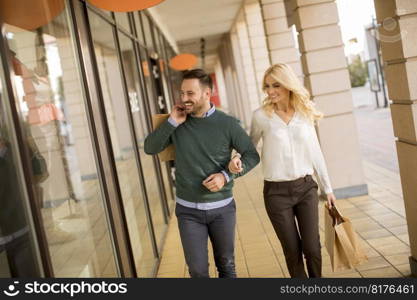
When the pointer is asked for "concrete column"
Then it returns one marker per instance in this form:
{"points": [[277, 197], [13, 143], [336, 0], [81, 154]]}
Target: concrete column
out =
{"points": [[246, 57], [280, 37], [235, 89], [257, 39], [327, 78], [242, 94], [399, 51]]}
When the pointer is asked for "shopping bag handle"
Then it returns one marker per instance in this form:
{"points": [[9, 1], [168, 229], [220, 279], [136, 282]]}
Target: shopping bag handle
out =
{"points": [[347, 245], [335, 214]]}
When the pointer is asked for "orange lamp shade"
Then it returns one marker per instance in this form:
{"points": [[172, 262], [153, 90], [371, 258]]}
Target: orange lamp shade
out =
{"points": [[32, 14], [145, 68], [124, 5], [183, 61]]}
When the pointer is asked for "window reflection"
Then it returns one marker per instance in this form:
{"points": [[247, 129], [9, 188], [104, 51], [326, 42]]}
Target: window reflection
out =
{"points": [[17, 250], [54, 119]]}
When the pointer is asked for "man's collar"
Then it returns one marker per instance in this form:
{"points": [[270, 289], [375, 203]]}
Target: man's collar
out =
{"points": [[209, 112]]}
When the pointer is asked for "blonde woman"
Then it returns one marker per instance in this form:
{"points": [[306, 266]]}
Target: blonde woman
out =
{"points": [[290, 155]]}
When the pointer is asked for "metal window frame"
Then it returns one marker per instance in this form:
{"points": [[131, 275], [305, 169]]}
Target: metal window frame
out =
{"points": [[104, 151], [133, 35], [137, 19], [117, 33], [148, 44], [161, 182], [148, 112], [167, 68], [156, 109], [84, 65]]}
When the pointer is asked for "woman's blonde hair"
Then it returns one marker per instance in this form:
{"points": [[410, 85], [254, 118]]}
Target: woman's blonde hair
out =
{"points": [[299, 96]]}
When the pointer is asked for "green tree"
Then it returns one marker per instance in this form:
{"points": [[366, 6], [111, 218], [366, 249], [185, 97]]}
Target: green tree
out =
{"points": [[358, 72]]}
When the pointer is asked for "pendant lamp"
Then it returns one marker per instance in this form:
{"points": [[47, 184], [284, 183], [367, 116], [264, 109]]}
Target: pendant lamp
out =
{"points": [[183, 62], [30, 15], [124, 5]]}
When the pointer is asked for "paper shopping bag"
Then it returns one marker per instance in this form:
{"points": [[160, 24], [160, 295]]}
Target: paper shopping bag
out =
{"points": [[169, 152], [341, 241]]}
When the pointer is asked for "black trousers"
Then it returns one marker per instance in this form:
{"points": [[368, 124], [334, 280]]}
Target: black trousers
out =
{"points": [[196, 226], [286, 202]]}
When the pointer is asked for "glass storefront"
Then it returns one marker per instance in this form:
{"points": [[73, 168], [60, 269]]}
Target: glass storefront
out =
{"points": [[122, 141], [56, 150], [141, 129], [51, 105]]}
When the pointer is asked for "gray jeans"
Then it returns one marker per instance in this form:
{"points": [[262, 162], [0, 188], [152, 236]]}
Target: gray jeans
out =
{"points": [[196, 226]]}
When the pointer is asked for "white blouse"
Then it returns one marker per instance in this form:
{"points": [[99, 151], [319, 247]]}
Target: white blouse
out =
{"points": [[289, 151]]}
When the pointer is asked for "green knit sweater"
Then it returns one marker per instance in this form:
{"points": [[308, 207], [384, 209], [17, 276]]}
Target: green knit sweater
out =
{"points": [[203, 147]]}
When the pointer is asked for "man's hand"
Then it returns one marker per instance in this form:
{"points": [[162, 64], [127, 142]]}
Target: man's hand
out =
{"points": [[214, 182], [331, 200], [178, 114], [235, 165]]}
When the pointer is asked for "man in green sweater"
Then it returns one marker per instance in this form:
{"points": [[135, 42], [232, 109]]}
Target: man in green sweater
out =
{"points": [[204, 139]]}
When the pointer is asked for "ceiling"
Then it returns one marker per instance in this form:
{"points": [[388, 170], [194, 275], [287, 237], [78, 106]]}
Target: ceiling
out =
{"points": [[190, 20]]}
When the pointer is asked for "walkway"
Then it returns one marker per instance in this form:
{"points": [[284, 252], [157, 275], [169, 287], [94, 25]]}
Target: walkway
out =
{"points": [[379, 217]]}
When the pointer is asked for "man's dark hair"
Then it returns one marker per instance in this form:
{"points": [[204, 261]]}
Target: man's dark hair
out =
{"points": [[201, 75]]}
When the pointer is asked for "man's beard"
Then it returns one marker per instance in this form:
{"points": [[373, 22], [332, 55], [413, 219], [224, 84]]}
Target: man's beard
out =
{"points": [[197, 107]]}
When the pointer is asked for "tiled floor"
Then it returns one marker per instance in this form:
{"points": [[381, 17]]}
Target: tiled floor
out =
{"points": [[378, 218]]}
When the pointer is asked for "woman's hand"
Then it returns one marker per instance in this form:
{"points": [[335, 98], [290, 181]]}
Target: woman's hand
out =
{"points": [[235, 165], [331, 200]]}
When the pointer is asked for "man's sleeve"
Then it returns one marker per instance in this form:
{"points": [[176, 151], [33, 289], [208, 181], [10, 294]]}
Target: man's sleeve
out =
{"points": [[159, 139], [242, 143]]}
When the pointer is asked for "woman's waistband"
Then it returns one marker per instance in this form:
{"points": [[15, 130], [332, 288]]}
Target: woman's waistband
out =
{"points": [[307, 178]]}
